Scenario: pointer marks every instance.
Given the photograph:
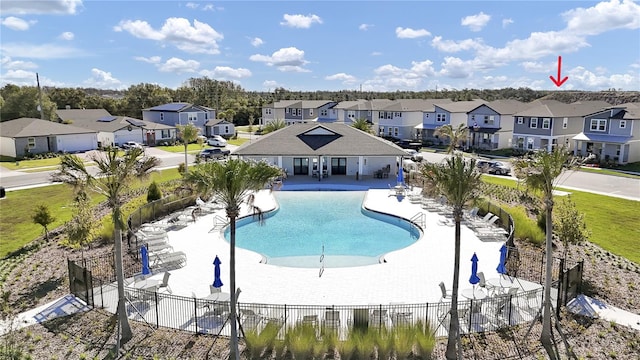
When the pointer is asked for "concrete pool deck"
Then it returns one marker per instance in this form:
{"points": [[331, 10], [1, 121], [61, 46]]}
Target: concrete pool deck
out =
{"points": [[410, 275]]}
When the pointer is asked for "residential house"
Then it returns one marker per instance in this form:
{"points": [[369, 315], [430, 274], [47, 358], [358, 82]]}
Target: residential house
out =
{"points": [[179, 113], [349, 111], [547, 123], [220, 127], [399, 118], [298, 111], [324, 149], [491, 124], [24, 136], [116, 130], [611, 134], [446, 112]]}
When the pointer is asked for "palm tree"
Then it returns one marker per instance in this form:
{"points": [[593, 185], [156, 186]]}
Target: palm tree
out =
{"points": [[459, 182], [539, 172], [362, 124], [114, 175], [455, 136], [232, 183], [188, 133], [274, 125]]}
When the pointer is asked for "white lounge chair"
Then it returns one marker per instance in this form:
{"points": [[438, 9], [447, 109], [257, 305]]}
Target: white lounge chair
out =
{"points": [[446, 294], [331, 321]]}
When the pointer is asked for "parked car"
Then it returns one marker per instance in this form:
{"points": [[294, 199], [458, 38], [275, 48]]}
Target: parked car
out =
{"points": [[414, 154], [409, 144], [217, 140], [493, 167], [132, 144], [213, 153]]}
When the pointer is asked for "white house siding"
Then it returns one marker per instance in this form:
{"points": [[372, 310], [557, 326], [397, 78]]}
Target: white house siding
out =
{"points": [[7, 147], [105, 139], [124, 135], [76, 142]]}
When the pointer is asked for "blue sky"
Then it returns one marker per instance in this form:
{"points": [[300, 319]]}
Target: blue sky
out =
{"points": [[322, 45]]}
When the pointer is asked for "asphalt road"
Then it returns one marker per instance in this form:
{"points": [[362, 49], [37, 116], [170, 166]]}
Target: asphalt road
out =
{"points": [[598, 183], [617, 186]]}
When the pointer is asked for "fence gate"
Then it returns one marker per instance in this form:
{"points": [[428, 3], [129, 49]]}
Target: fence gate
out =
{"points": [[80, 283]]}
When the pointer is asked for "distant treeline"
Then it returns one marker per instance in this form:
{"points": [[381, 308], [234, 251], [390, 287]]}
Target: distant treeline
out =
{"points": [[238, 105]]}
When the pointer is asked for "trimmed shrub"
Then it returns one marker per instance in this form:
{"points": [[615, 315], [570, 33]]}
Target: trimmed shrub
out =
{"points": [[154, 192]]}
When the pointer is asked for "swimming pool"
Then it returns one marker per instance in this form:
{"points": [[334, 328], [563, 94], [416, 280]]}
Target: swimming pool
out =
{"points": [[308, 224]]}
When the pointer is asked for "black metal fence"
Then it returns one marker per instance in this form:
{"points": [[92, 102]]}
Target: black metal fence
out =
{"points": [[159, 208], [210, 317]]}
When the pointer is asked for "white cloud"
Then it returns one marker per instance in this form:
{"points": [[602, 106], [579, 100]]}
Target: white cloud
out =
{"points": [[451, 46], [67, 35], [15, 23], [390, 77], [538, 67], [364, 27], [9, 64], [344, 78], [271, 84], [102, 80], [506, 22], [300, 21], [408, 33], [456, 68], [581, 78], [225, 72], [603, 17], [288, 59], [42, 51], [256, 42], [179, 66], [376, 53], [150, 60], [192, 5], [476, 22], [199, 38], [23, 7]]}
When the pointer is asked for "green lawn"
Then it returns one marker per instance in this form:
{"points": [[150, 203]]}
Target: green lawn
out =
{"points": [[612, 221], [608, 172], [191, 148], [16, 227]]}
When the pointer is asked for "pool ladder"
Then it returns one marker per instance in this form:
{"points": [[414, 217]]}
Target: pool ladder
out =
{"points": [[419, 219]]}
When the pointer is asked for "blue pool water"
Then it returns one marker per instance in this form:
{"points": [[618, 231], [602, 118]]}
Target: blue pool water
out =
{"points": [[307, 221]]}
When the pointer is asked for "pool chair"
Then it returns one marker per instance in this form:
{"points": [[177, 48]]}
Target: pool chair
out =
{"points": [[331, 321], [446, 294], [378, 318], [249, 320]]}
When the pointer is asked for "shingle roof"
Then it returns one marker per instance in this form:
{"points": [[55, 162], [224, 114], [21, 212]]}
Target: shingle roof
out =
{"points": [[553, 108], [460, 106], [29, 127], [415, 104], [507, 106], [90, 119], [312, 139]]}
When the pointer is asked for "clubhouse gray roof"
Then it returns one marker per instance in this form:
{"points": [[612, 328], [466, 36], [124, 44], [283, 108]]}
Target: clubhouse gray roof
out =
{"points": [[30, 127], [312, 139]]}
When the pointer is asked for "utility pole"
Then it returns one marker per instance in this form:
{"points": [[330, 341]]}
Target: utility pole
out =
{"points": [[39, 98]]}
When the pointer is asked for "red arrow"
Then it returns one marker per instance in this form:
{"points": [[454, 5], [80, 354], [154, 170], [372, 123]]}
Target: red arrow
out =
{"points": [[559, 82]]}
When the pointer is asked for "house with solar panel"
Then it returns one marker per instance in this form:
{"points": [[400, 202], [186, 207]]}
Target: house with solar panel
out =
{"points": [[179, 113], [116, 130], [24, 136]]}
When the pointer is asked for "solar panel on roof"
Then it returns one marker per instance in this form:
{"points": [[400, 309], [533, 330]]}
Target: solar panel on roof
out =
{"points": [[169, 107], [107, 118], [135, 122]]}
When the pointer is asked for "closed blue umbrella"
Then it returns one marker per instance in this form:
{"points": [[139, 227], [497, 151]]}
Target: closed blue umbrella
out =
{"points": [[144, 253], [474, 279], [400, 180], [216, 281], [502, 269]]}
